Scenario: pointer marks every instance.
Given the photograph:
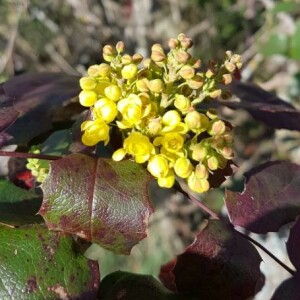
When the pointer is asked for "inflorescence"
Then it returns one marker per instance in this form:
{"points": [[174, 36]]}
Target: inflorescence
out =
{"points": [[153, 103]]}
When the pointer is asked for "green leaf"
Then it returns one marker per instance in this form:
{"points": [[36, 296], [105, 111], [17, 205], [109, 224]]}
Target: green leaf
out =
{"points": [[295, 43], [18, 206], [276, 44], [100, 200], [290, 6], [38, 264]]}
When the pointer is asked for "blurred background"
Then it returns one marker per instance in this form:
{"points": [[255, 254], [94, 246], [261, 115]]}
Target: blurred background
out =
{"points": [[67, 36]]}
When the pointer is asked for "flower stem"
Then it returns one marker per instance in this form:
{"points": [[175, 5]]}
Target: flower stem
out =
{"points": [[29, 155]]}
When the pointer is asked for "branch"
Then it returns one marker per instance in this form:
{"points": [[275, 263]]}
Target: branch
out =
{"points": [[292, 272], [29, 155]]}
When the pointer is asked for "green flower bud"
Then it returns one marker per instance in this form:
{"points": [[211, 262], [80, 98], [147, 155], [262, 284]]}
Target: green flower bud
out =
{"points": [[87, 83], [157, 53], [187, 72], [216, 126], [129, 71], [156, 85]]}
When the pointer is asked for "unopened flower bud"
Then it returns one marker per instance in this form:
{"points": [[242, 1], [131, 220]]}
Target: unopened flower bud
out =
{"points": [[212, 163], [101, 70], [216, 127], [113, 92], [226, 79], [227, 152], [157, 53], [196, 121], [182, 56], [167, 181], [183, 167], [201, 171], [187, 72], [120, 47], [147, 62], [173, 43], [137, 58], [87, 83], [196, 82], [199, 152], [215, 94], [119, 154], [212, 113], [109, 53], [154, 127], [156, 85], [197, 185], [129, 71], [210, 73], [186, 43], [181, 37], [182, 103], [171, 118], [88, 98], [230, 67], [194, 63], [126, 59], [142, 85], [158, 166]]}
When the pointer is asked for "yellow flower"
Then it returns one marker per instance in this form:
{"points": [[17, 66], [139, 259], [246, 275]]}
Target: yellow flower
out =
{"points": [[105, 108], [167, 181], [158, 166], [129, 71], [95, 132], [138, 146], [119, 154], [183, 167], [87, 83], [87, 98], [113, 92], [131, 110], [182, 103], [171, 118], [197, 185], [172, 141]]}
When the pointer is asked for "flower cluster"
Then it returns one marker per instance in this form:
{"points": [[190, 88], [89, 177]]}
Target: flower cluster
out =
{"points": [[38, 167], [156, 104]]}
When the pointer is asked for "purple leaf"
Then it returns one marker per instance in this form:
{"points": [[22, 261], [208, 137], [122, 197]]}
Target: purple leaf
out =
{"points": [[100, 200], [35, 97], [264, 106], [220, 264], [293, 244], [271, 198]]}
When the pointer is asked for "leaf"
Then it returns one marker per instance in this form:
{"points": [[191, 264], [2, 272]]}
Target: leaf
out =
{"points": [[7, 112], [277, 43], [264, 106], [18, 206], [100, 200], [220, 264], [289, 289], [293, 244], [124, 285], [295, 42], [271, 198], [39, 264], [36, 96]]}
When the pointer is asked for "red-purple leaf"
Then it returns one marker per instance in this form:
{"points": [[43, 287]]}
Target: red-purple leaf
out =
{"points": [[100, 200], [271, 198], [289, 289], [220, 264], [7, 112], [264, 106], [35, 97], [293, 244]]}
